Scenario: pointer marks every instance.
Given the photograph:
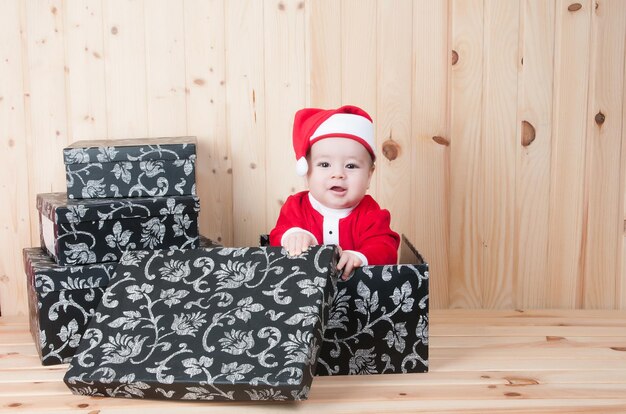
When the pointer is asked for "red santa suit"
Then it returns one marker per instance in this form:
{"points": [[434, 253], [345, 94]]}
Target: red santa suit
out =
{"points": [[363, 229]]}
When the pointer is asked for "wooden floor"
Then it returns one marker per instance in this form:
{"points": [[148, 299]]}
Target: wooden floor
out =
{"points": [[481, 361]]}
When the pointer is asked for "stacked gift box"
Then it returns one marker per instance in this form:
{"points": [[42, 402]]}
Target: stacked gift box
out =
{"points": [[121, 195], [121, 286]]}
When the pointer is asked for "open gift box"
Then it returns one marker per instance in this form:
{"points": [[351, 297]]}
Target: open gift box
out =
{"points": [[378, 322], [249, 324]]}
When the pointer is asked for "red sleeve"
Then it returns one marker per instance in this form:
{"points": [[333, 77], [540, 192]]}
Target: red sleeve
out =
{"points": [[378, 242], [290, 216]]}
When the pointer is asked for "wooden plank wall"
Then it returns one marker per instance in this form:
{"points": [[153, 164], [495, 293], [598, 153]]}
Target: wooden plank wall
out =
{"points": [[500, 124]]}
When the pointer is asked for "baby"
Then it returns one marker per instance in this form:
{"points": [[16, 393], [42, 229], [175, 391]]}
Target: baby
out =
{"points": [[335, 150]]}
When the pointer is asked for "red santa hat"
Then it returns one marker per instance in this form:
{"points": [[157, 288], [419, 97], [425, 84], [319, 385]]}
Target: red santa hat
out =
{"points": [[312, 124]]}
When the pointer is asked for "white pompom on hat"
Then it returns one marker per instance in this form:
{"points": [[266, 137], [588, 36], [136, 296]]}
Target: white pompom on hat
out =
{"points": [[312, 124]]}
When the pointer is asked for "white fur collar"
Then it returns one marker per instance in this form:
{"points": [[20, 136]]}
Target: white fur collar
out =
{"points": [[327, 212]]}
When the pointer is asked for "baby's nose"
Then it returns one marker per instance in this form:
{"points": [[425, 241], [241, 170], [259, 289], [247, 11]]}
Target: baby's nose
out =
{"points": [[338, 173]]}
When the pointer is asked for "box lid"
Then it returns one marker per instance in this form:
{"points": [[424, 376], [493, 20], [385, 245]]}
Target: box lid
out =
{"points": [[47, 276], [208, 324], [58, 208], [141, 149]]}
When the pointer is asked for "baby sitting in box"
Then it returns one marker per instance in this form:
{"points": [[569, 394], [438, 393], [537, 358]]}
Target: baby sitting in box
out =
{"points": [[335, 150]]}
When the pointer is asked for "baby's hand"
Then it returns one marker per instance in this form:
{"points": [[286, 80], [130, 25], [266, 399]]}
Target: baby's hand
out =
{"points": [[298, 242], [348, 262]]}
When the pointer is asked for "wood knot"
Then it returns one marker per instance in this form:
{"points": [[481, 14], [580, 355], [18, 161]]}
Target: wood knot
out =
{"points": [[114, 30], [619, 348], [391, 149], [455, 57], [554, 338], [528, 133], [520, 381], [574, 7], [600, 118], [441, 140], [512, 394]]}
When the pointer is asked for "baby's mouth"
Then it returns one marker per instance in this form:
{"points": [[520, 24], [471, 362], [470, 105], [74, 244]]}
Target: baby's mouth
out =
{"points": [[337, 189]]}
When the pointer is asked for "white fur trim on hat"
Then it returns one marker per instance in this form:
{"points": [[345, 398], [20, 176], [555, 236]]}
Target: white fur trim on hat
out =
{"points": [[348, 124]]}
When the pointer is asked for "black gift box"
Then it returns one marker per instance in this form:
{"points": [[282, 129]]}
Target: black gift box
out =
{"points": [[208, 324], [101, 230], [131, 167], [378, 322], [62, 299]]}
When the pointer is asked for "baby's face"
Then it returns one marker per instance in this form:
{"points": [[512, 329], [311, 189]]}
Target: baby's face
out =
{"points": [[339, 173]]}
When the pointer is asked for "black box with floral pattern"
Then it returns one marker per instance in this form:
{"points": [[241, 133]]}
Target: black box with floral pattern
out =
{"points": [[62, 300], [208, 324], [378, 322], [101, 230], [145, 167]]}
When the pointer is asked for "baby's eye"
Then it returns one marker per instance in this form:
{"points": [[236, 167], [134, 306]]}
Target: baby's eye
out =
{"points": [[351, 166], [323, 164]]}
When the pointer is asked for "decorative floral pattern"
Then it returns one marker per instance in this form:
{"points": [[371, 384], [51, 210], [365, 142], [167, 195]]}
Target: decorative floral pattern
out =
{"points": [[96, 231], [62, 300], [236, 342], [210, 324], [378, 323], [132, 168]]}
